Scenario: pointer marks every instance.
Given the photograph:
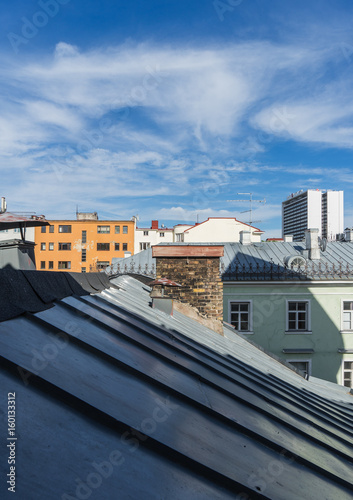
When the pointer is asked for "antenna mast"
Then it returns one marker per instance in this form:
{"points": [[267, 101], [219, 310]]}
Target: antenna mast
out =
{"points": [[251, 202]]}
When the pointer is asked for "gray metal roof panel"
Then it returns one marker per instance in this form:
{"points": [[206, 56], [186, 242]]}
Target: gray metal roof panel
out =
{"points": [[228, 409]]}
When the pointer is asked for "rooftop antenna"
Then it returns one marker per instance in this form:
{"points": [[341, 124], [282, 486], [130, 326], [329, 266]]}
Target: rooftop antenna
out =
{"points": [[251, 202]]}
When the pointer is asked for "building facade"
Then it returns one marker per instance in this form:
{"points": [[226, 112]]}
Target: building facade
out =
{"points": [[313, 208], [212, 230], [82, 245]]}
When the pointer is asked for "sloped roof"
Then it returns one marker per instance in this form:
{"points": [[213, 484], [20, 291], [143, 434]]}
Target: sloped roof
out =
{"points": [[129, 402], [9, 220], [259, 261]]}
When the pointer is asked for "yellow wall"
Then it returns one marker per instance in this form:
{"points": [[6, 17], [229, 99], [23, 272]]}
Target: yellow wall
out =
{"points": [[74, 256]]}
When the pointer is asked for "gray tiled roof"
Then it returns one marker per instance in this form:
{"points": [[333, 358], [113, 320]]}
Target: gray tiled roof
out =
{"points": [[127, 402]]}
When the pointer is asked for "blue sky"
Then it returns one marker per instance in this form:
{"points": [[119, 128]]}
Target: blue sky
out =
{"points": [[167, 109]]}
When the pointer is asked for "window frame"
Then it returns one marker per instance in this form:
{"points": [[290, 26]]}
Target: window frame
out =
{"points": [[116, 247], [125, 247], [84, 236], [343, 372], [103, 249], [250, 331], [62, 262], [69, 230], [83, 255], [52, 264], [51, 246], [297, 360], [99, 229], [43, 246], [51, 228], [307, 331], [64, 249], [125, 229], [43, 264], [344, 330]]}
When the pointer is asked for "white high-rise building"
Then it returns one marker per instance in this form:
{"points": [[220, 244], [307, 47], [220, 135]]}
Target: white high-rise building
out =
{"points": [[312, 209]]}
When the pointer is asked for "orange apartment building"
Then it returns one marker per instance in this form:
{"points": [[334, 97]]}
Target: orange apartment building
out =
{"points": [[85, 245]]}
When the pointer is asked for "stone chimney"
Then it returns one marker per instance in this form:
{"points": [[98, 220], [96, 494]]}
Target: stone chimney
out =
{"points": [[196, 269], [288, 238], [312, 243], [245, 237]]}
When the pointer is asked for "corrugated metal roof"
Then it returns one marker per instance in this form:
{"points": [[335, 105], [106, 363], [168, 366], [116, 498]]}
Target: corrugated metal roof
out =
{"points": [[127, 402], [11, 221]]}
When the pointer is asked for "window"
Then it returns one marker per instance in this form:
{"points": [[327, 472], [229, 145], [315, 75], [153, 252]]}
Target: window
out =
{"points": [[42, 246], [51, 229], [84, 237], [117, 229], [83, 255], [83, 269], [347, 315], [62, 264], [144, 246], [298, 316], [43, 229], [64, 246], [145, 233], [348, 373], [51, 264], [102, 264], [240, 316], [303, 366], [117, 246], [180, 237], [103, 229], [124, 247], [103, 246], [161, 235], [51, 246], [124, 229], [42, 264], [65, 229]]}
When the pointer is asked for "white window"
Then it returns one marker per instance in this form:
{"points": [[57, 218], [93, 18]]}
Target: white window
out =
{"points": [[51, 246], [302, 365], [161, 235], [347, 373], [298, 316], [240, 316], [42, 246], [145, 245], [180, 237], [145, 233], [347, 315]]}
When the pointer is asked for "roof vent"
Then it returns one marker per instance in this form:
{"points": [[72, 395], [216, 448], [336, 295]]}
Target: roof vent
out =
{"points": [[294, 261]]}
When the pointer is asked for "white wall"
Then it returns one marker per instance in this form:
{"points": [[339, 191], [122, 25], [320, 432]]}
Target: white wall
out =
{"points": [[153, 238], [314, 210], [15, 234], [335, 217], [217, 230]]}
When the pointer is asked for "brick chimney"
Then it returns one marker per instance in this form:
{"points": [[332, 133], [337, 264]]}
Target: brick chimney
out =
{"points": [[196, 268], [154, 224]]}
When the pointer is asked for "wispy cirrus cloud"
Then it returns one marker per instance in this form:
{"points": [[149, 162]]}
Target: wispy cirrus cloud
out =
{"points": [[140, 121]]}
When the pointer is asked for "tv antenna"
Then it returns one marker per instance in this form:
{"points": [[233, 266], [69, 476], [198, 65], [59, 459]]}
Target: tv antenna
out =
{"points": [[251, 201]]}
